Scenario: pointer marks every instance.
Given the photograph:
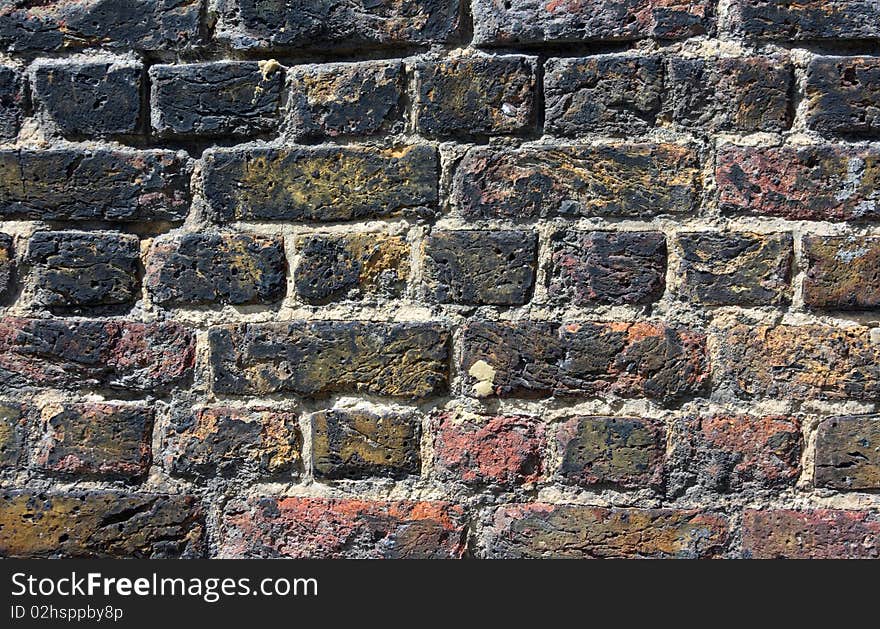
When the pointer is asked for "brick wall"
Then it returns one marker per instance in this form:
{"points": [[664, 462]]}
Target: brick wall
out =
{"points": [[431, 278]]}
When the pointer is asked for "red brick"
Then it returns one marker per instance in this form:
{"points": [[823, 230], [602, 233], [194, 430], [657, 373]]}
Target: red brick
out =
{"points": [[811, 534]]}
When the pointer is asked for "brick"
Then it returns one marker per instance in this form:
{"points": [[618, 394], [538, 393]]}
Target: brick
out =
{"points": [[590, 268], [536, 530], [364, 443], [13, 431], [347, 99], [475, 96], [824, 182], [11, 98], [805, 19], [100, 524], [197, 269], [57, 25], [539, 359], [480, 267], [848, 452], [796, 362], [350, 266], [843, 95], [745, 94], [627, 452], [731, 452], [322, 183], [505, 451], [323, 357], [810, 534], [7, 266], [615, 95], [572, 21], [303, 528], [325, 24], [90, 98], [224, 442], [842, 272], [151, 357], [624, 180], [97, 440], [223, 98], [74, 270], [739, 269], [112, 185]]}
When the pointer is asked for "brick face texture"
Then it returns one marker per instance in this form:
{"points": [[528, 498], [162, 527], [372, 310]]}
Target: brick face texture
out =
{"points": [[439, 278]]}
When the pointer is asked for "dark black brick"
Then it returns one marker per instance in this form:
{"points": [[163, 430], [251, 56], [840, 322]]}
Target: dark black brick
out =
{"points": [[843, 95], [11, 96]]}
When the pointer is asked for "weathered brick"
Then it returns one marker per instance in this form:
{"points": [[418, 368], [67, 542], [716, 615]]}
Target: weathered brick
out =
{"points": [[488, 450], [571, 21], [745, 94], [13, 430], [743, 269], [589, 268], [222, 98], [7, 265], [810, 534], [74, 270], [796, 362], [617, 95], [623, 451], [848, 452], [363, 443], [843, 95], [842, 272], [100, 524], [624, 180], [193, 269], [98, 97], [50, 25], [347, 99], [350, 266], [322, 183], [211, 442], [826, 182], [796, 20], [11, 97], [534, 359], [75, 354], [480, 267], [533, 531], [322, 357], [729, 452], [305, 528], [94, 439], [475, 95], [114, 185]]}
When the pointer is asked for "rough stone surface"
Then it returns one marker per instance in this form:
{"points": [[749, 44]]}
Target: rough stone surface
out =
{"points": [[100, 525], [625, 181], [848, 452], [364, 443], [197, 269], [302, 528], [11, 97], [223, 442], [81, 270], [536, 530], [323, 357], [590, 268], [480, 267], [742, 269], [90, 98], [323, 183], [13, 431], [843, 95], [351, 266], [842, 272], [347, 99], [502, 450], [810, 534], [810, 20], [7, 266]]}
